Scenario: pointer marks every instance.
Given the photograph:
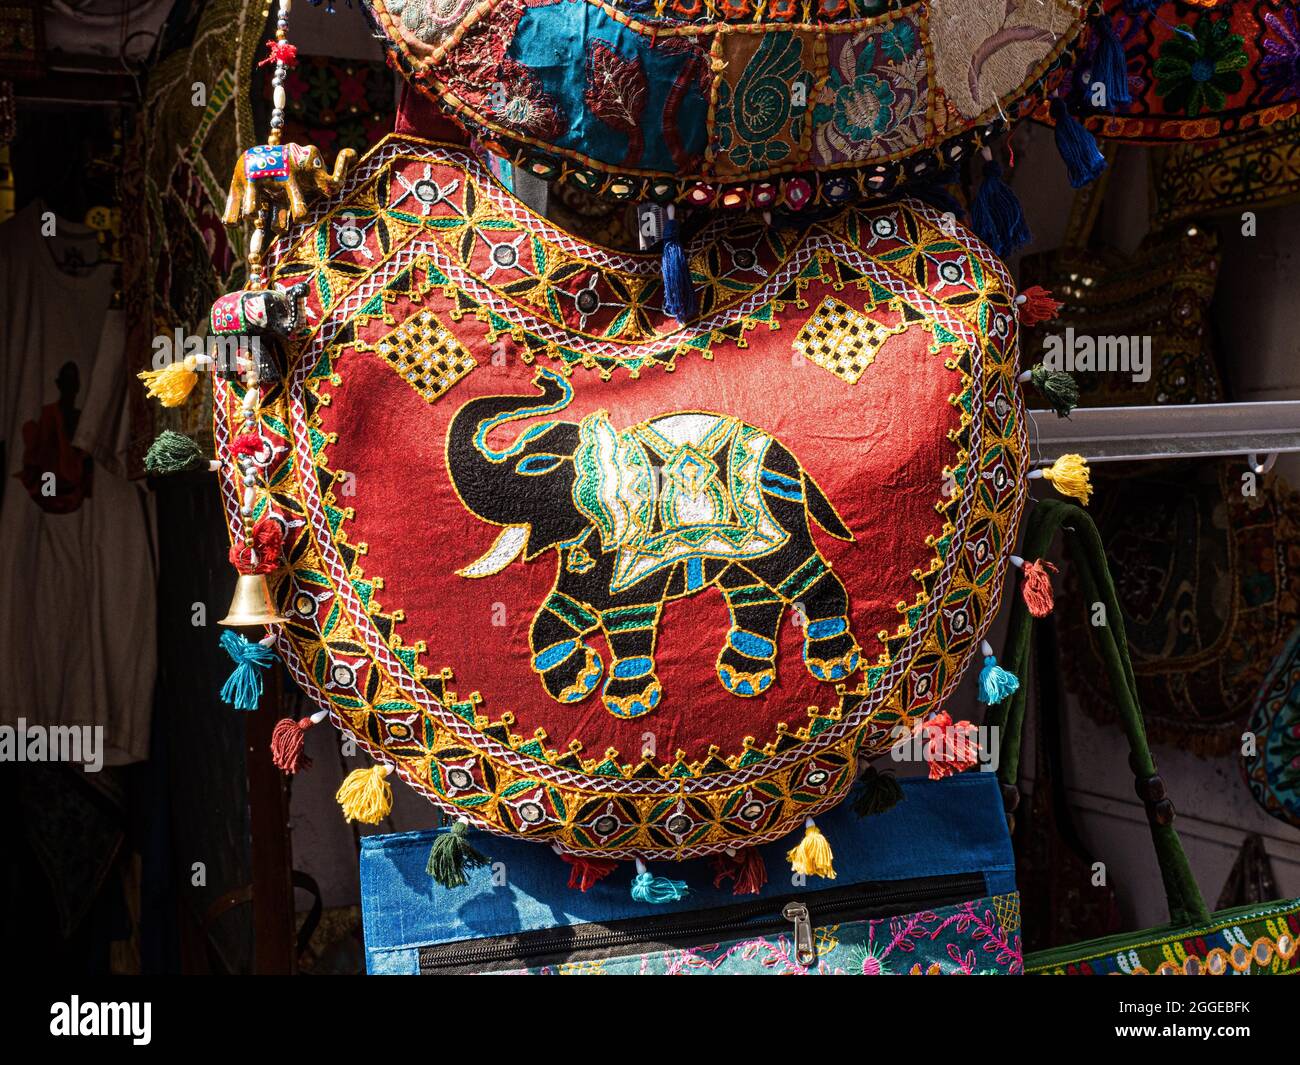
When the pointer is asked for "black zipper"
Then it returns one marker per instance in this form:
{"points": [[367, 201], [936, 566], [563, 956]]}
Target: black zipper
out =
{"points": [[577, 942]]}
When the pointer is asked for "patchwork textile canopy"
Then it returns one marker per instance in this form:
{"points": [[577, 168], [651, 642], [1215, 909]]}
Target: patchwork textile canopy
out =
{"points": [[584, 574], [656, 98]]}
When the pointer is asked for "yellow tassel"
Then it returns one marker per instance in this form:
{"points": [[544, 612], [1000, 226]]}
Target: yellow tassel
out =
{"points": [[172, 384], [812, 857], [1069, 476], [365, 795]]}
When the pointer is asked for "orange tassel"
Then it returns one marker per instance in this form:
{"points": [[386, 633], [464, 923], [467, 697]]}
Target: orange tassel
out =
{"points": [[950, 747], [1036, 587], [287, 739], [1036, 305]]}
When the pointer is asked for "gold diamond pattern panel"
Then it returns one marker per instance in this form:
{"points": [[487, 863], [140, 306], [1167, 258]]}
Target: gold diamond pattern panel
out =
{"points": [[425, 356], [839, 339]]}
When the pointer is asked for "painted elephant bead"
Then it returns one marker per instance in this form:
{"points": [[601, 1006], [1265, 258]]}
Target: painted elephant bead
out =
{"points": [[661, 510], [259, 312], [282, 178]]}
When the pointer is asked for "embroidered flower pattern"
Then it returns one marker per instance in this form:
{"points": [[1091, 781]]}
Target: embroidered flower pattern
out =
{"points": [[1279, 71], [1197, 70], [972, 938], [873, 101]]}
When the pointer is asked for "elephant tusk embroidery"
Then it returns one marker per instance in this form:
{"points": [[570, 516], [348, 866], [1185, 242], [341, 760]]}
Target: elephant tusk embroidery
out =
{"points": [[504, 550]]}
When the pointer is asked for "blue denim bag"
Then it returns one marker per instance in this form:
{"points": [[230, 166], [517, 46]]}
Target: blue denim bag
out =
{"points": [[945, 847]]}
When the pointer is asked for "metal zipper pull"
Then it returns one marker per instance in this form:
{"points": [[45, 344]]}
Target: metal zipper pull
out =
{"points": [[805, 949]]}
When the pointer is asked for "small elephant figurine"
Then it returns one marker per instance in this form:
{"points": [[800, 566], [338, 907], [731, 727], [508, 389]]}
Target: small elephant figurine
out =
{"points": [[259, 312], [282, 176], [661, 510]]}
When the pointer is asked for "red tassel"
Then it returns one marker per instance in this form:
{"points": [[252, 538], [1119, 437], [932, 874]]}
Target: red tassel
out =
{"points": [[1037, 587], [247, 444], [949, 747], [287, 740], [263, 556], [585, 870], [281, 52], [746, 868], [1037, 306]]}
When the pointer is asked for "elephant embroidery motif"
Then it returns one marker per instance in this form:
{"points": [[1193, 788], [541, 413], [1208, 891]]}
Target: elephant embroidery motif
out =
{"points": [[658, 511]]}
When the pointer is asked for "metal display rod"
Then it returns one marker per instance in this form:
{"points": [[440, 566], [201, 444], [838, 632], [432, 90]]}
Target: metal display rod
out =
{"points": [[1255, 431]]}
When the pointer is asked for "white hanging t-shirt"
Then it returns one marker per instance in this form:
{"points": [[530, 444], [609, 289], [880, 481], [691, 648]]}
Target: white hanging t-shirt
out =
{"points": [[78, 569]]}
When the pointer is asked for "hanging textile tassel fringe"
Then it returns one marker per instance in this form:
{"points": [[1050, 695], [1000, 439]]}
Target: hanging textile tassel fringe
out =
{"points": [[1110, 65], [679, 292], [877, 792], [812, 856], [1035, 305], [451, 854], [243, 688], [366, 795], [995, 682], [586, 869], [656, 889], [1083, 162], [1036, 585], [1069, 476], [172, 452], [1056, 386], [172, 385], [996, 215], [745, 868], [287, 739], [950, 747]]}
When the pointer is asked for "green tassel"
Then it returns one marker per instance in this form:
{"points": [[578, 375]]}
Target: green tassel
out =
{"points": [[172, 453], [1057, 387], [877, 792], [450, 855]]}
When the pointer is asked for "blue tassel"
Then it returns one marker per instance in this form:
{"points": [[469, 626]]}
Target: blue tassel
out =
{"points": [[656, 889], [243, 688], [1084, 163], [995, 213], [1110, 65], [679, 294], [995, 682]]}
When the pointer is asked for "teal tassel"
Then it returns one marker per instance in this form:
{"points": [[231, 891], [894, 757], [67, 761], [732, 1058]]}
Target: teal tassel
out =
{"points": [[996, 215], [679, 294], [656, 889], [1110, 65], [1078, 148], [243, 688], [995, 682]]}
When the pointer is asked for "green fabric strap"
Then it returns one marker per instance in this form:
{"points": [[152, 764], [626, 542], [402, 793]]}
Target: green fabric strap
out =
{"points": [[1185, 903]]}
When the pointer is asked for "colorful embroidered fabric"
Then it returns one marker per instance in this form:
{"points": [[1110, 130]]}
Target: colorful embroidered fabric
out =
{"points": [[613, 94], [717, 563], [335, 103], [1202, 574], [179, 257], [1251, 170], [977, 938], [1196, 73], [1156, 303], [1273, 769], [1250, 941]]}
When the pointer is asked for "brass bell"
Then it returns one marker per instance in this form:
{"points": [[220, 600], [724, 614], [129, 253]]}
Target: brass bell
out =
{"points": [[251, 604]]}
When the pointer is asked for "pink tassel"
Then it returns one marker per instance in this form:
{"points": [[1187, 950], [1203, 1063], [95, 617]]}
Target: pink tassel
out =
{"points": [[745, 868], [281, 52]]}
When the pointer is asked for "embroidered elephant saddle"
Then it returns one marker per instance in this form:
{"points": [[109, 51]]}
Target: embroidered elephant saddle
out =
{"points": [[589, 575]]}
